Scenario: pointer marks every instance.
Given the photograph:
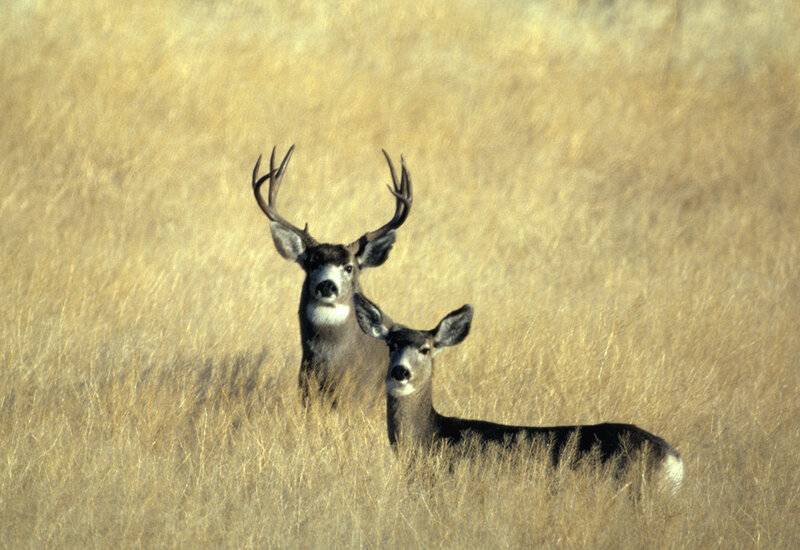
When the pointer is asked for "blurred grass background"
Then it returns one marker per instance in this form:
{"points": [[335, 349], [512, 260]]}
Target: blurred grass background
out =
{"points": [[612, 185]]}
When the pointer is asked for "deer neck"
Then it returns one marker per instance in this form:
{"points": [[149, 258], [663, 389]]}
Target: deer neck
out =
{"points": [[412, 418], [336, 341], [325, 320]]}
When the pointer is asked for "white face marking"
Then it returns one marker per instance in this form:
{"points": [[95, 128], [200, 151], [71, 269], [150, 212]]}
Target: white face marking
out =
{"points": [[334, 314], [673, 472], [401, 388], [334, 273]]}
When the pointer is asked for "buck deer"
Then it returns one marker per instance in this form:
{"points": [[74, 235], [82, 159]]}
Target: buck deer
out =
{"points": [[413, 420], [337, 356]]}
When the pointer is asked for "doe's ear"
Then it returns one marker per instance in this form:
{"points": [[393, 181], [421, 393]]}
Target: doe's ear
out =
{"points": [[288, 243], [453, 328], [370, 318], [374, 253]]}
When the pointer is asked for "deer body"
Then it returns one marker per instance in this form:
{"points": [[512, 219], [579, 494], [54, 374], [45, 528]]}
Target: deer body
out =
{"points": [[413, 421], [338, 359]]}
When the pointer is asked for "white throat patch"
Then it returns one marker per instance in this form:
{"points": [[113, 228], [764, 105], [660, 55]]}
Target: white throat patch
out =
{"points": [[399, 389], [334, 314]]}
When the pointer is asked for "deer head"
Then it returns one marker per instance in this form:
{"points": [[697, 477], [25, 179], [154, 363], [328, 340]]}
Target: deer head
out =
{"points": [[411, 351], [332, 270]]}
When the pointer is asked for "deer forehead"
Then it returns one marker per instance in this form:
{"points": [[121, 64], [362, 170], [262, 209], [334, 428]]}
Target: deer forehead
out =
{"points": [[328, 272], [407, 357], [327, 254], [404, 345], [403, 337]]}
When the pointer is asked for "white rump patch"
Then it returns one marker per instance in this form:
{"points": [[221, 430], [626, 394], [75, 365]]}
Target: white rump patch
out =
{"points": [[399, 389], [335, 314], [673, 472]]}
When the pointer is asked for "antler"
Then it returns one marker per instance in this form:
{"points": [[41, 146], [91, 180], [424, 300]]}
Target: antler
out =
{"points": [[403, 195], [270, 207]]}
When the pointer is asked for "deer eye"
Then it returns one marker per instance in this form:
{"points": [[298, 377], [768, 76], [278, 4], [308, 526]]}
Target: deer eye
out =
{"points": [[425, 351], [348, 268]]}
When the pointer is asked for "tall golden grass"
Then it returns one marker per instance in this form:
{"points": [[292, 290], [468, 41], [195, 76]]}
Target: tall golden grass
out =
{"points": [[613, 186]]}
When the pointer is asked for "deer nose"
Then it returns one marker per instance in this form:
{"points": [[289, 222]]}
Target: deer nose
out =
{"points": [[326, 289], [400, 373]]}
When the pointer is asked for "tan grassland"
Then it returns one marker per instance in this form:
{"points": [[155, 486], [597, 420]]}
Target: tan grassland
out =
{"points": [[613, 185]]}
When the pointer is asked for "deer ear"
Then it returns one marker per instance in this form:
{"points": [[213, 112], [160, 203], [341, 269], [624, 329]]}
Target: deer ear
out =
{"points": [[453, 328], [374, 253], [288, 243], [370, 318]]}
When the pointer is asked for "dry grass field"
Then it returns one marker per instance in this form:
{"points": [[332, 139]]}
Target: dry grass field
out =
{"points": [[614, 187]]}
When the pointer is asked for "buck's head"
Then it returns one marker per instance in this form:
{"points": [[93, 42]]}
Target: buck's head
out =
{"points": [[332, 270], [411, 351]]}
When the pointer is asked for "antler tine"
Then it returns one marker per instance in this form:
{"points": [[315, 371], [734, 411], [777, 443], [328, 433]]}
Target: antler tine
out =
{"points": [[391, 170], [276, 176], [270, 207], [257, 183], [402, 192], [407, 177], [272, 187]]}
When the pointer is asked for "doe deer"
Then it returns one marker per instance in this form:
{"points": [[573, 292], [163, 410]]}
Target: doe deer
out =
{"points": [[337, 357], [413, 420]]}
